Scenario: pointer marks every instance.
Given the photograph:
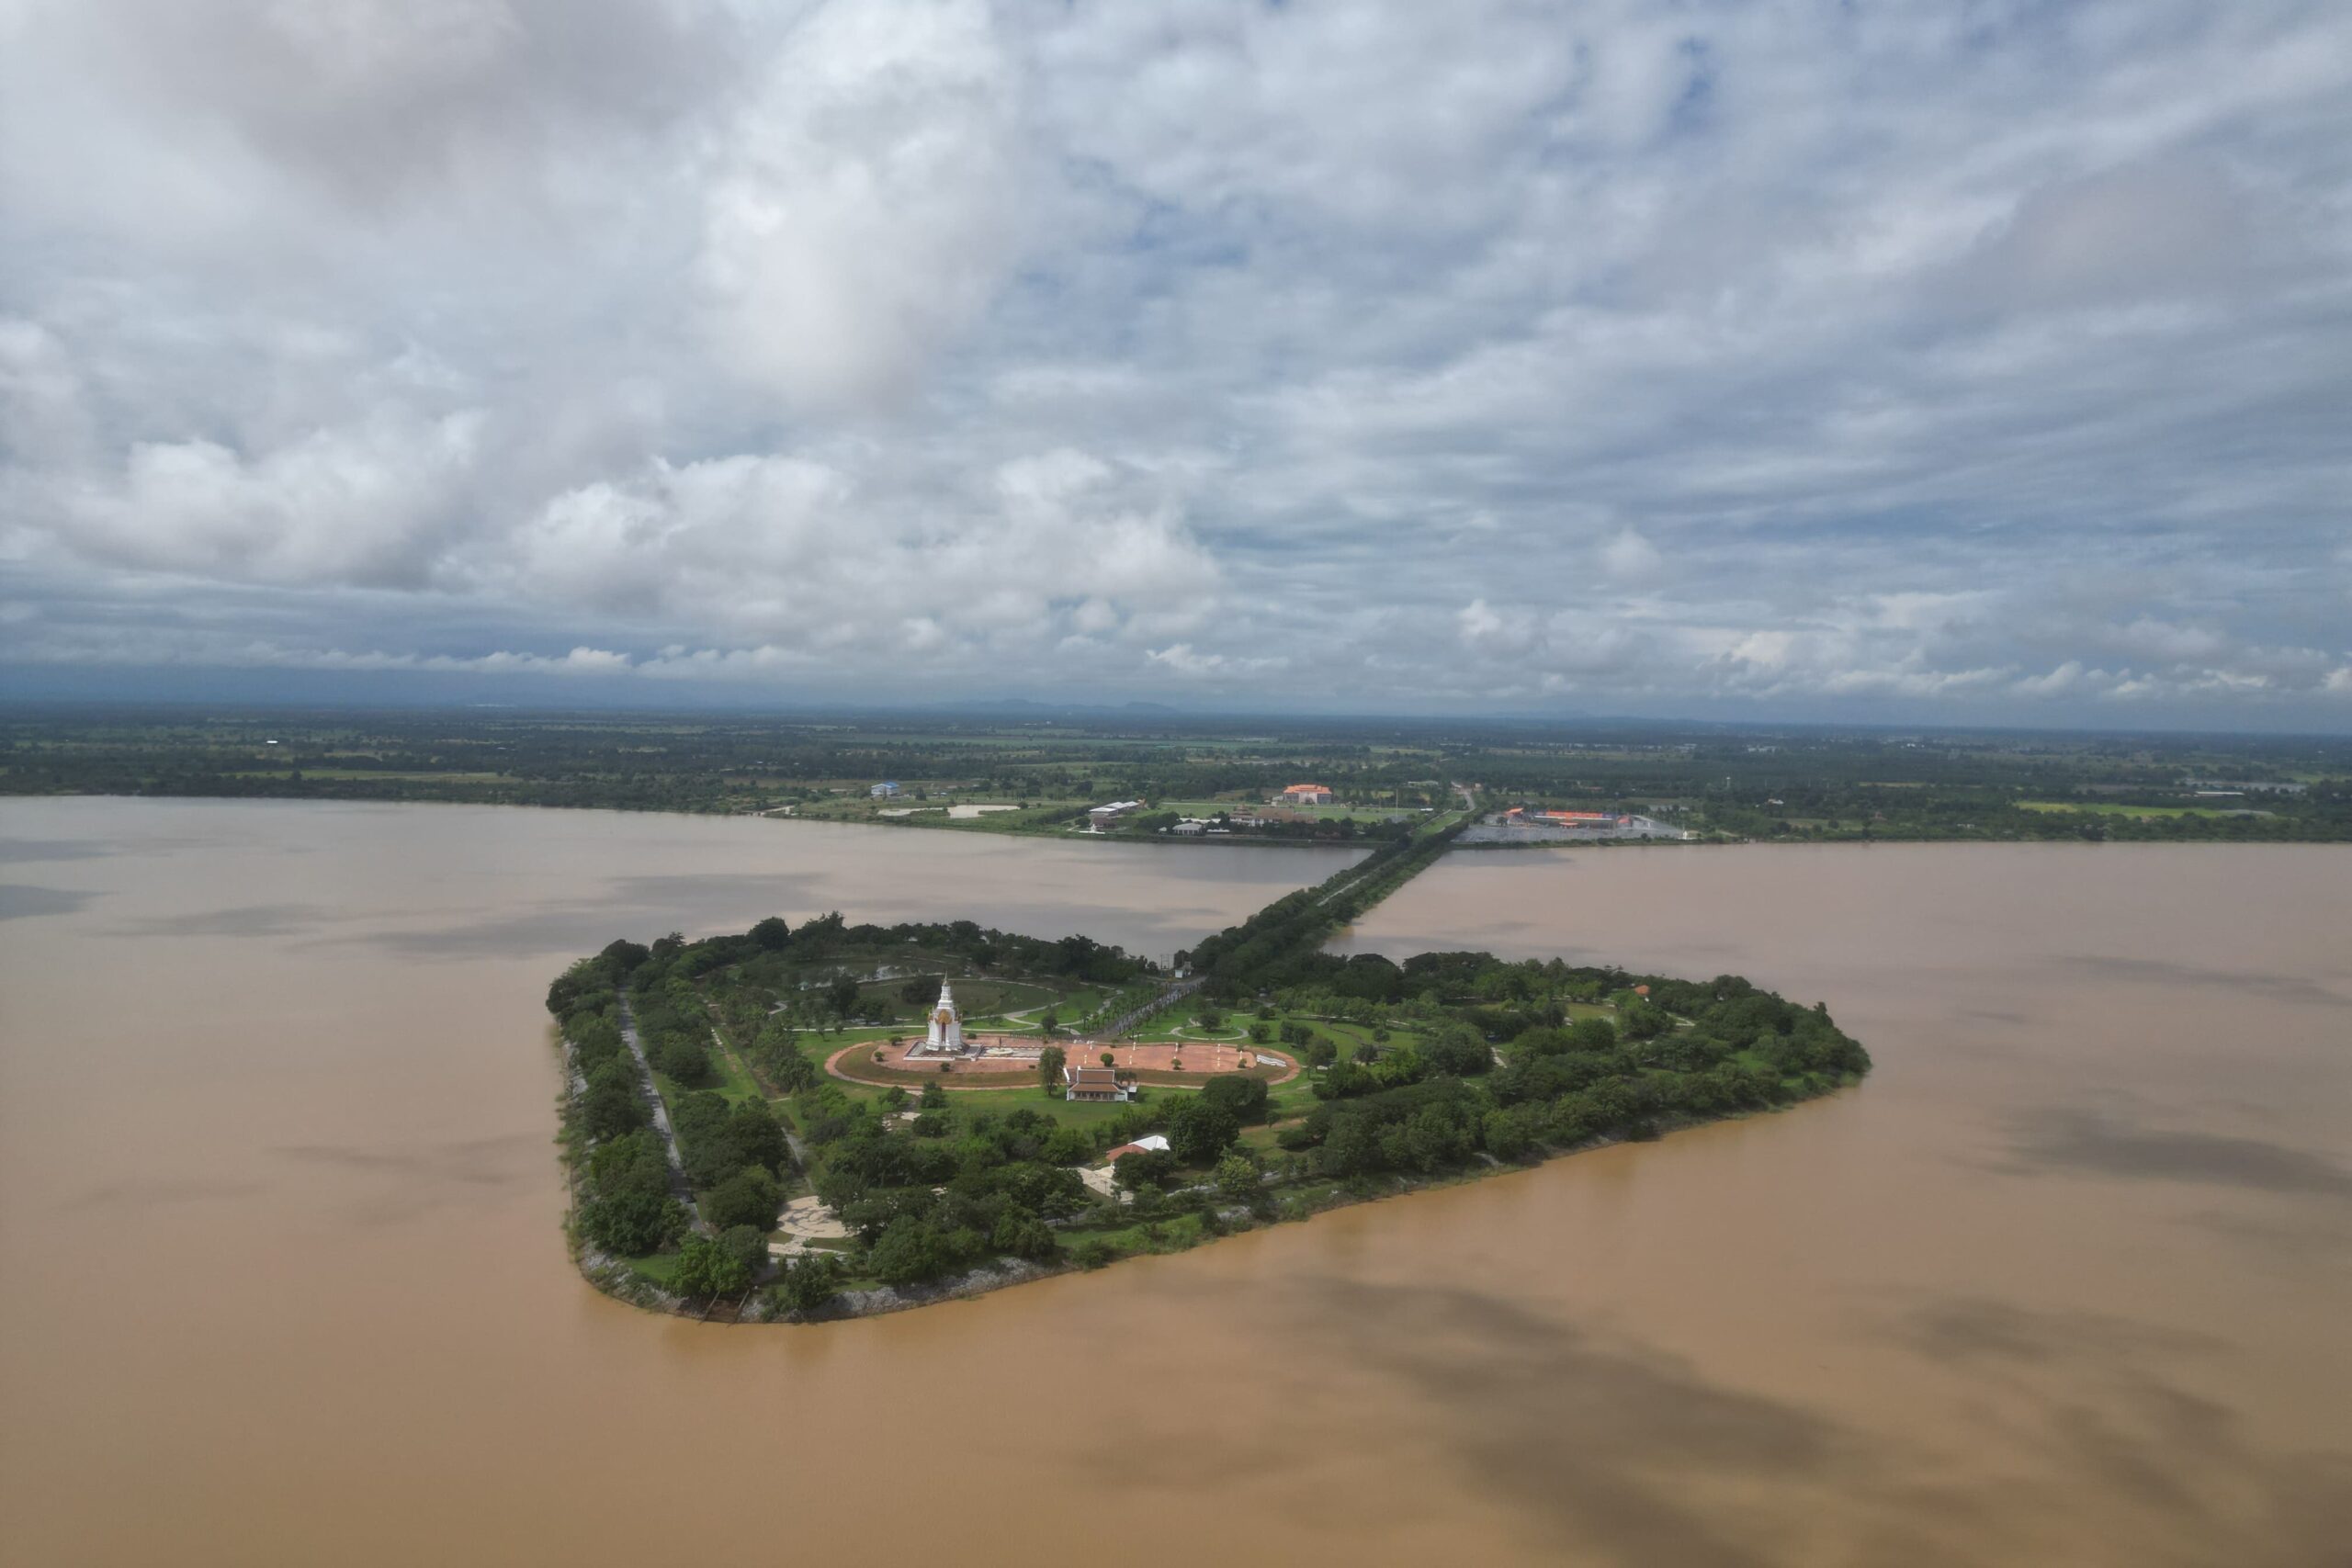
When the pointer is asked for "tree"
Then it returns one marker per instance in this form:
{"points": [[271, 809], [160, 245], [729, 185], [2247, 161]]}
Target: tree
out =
{"points": [[1643, 1019], [1592, 1034], [771, 934], [1024, 1234], [1457, 1049], [611, 1108], [908, 1251], [841, 996], [706, 1268], [933, 1097], [757, 1135], [810, 1281], [747, 1245], [632, 1223], [682, 1057], [793, 1073], [1108, 1060], [1200, 1130], [1049, 1068], [1066, 1146], [1237, 1180], [1242, 1096], [1144, 1170], [624, 957], [750, 1197], [1049, 1022]]}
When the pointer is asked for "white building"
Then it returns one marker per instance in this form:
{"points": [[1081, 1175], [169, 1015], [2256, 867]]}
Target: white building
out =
{"points": [[884, 790], [1100, 818], [946, 1031]]}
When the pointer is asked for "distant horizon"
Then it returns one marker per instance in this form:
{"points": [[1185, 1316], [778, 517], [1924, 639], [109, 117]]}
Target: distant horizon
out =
{"points": [[725, 702]]}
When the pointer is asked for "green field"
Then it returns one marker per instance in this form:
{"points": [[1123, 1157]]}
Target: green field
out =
{"points": [[2106, 808]]}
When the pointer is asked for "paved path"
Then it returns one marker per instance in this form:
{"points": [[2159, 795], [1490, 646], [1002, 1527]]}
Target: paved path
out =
{"points": [[679, 1187], [1159, 1003]]}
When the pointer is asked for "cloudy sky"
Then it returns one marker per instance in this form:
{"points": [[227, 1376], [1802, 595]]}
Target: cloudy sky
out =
{"points": [[1979, 360]]}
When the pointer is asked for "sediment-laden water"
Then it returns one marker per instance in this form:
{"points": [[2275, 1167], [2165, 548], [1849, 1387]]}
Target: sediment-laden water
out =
{"points": [[2068, 1279]]}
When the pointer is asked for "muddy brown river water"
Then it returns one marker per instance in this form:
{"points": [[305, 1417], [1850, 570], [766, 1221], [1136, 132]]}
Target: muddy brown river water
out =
{"points": [[2068, 1280]]}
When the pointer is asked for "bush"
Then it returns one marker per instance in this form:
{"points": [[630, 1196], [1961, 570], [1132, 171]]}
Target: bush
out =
{"points": [[706, 1268], [1237, 1180], [632, 1223], [809, 1282], [750, 1197], [747, 1246], [1093, 1253]]}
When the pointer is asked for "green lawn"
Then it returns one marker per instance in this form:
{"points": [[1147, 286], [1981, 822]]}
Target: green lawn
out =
{"points": [[2107, 809], [661, 1268]]}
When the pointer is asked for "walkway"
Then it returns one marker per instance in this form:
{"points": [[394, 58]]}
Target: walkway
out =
{"points": [[1159, 1003], [680, 1187]]}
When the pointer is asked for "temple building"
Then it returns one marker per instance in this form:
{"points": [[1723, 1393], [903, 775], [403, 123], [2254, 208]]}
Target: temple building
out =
{"points": [[1094, 1083], [946, 1033]]}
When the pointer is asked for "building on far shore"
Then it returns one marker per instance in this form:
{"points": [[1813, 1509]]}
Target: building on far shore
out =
{"points": [[1307, 794], [884, 791], [1100, 818], [1094, 1083]]}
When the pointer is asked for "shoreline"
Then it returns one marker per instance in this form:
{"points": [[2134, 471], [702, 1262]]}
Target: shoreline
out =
{"points": [[613, 1277]]}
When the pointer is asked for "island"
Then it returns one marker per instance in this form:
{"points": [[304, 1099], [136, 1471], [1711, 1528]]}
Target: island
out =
{"points": [[797, 1123]]}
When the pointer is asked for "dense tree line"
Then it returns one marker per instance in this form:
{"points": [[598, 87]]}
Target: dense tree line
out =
{"points": [[1274, 946], [627, 1208], [1674, 1051], [1747, 781]]}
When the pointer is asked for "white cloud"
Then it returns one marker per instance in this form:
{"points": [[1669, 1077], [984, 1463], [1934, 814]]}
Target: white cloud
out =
{"points": [[864, 199], [1758, 360], [1629, 557], [363, 505]]}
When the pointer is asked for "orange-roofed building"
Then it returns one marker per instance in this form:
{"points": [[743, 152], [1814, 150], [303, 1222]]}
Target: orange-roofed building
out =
{"points": [[1307, 794]]}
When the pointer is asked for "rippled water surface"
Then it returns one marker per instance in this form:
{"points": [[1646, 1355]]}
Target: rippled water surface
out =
{"points": [[2067, 1280]]}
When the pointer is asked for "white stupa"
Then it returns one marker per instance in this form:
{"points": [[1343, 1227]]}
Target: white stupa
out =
{"points": [[946, 1031]]}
